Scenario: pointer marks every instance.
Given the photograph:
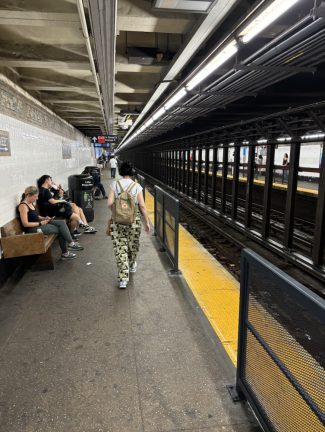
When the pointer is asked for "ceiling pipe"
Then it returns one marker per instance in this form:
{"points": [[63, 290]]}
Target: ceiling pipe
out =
{"points": [[84, 27]]}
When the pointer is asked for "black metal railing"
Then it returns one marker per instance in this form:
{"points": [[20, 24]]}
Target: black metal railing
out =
{"points": [[142, 181], [167, 224], [281, 348]]}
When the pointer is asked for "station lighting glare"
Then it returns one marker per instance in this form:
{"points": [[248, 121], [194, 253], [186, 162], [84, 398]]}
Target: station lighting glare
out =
{"points": [[159, 114], [149, 122], [245, 142], [221, 58], [262, 141], [315, 136], [179, 95], [284, 139], [270, 14]]}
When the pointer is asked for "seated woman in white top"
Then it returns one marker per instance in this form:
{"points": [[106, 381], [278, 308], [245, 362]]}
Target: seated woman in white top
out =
{"points": [[126, 238]]}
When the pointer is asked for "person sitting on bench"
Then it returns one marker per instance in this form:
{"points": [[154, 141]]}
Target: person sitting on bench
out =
{"points": [[48, 205], [32, 221], [58, 193], [97, 184]]}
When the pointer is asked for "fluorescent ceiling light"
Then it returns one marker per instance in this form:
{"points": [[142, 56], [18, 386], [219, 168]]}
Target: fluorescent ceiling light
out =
{"points": [[179, 95], [194, 6], [159, 113], [149, 122], [284, 139], [219, 59], [314, 136], [262, 141], [143, 128], [270, 14]]}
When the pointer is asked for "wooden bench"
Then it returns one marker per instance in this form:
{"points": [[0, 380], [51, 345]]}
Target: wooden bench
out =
{"points": [[35, 249]]}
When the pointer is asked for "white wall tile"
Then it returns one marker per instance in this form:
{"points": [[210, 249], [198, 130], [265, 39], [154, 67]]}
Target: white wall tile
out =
{"points": [[35, 152]]}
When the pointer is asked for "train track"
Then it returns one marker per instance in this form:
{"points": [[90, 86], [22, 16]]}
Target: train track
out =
{"points": [[225, 243]]}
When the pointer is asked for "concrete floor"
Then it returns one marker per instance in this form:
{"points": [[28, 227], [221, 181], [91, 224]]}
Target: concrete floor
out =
{"points": [[77, 354]]}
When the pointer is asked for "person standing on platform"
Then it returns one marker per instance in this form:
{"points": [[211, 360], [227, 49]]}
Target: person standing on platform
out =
{"points": [[260, 162], [100, 163], [113, 165], [285, 163], [126, 238]]}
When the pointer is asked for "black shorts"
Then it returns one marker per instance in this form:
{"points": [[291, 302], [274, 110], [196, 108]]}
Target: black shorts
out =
{"points": [[65, 215]]}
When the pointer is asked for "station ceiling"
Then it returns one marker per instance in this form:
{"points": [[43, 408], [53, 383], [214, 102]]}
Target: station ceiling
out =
{"points": [[140, 57]]}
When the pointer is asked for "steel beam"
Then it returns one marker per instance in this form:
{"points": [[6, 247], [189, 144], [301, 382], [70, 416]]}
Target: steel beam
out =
{"points": [[235, 183], [291, 195], [224, 181], [249, 187], [292, 69], [268, 191], [199, 174]]}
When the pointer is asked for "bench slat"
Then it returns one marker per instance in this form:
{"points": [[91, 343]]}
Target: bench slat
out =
{"points": [[24, 245]]}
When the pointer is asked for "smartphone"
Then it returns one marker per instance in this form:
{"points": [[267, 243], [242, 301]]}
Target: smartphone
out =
{"points": [[53, 217]]}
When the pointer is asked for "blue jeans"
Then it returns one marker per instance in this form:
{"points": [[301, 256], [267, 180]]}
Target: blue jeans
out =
{"points": [[101, 187], [113, 172]]}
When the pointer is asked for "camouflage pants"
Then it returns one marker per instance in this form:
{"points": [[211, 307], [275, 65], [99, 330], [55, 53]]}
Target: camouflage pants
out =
{"points": [[126, 242]]}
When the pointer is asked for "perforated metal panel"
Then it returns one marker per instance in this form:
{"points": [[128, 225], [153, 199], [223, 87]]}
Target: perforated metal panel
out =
{"points": [[281, 357]]}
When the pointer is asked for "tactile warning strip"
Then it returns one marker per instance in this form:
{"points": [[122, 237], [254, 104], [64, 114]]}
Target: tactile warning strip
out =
{"points": [[215, 289]]}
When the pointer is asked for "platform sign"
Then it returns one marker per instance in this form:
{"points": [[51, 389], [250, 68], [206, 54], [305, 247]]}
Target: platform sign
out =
{"points": [[4, 144], [105, 139]]}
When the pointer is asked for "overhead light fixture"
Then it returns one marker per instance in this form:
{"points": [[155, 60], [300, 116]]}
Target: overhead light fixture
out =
{"points": [[245, 142], [262, 141], [216, 62], [191, 6], [179, 95], [149, 122], [159, 114], [270, 14], [284, 139], [314, 136]]}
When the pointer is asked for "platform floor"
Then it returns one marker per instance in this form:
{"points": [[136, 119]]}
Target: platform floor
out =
{"points": [[77, 354]]}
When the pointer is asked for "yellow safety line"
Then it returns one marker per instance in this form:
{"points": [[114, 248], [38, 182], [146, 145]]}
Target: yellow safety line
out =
{"points": [[215, 289], [261, 182], [217, 292]]}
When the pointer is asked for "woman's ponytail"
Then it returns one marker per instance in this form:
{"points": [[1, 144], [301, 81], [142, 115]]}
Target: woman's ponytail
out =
{"points": [[30, 190]]}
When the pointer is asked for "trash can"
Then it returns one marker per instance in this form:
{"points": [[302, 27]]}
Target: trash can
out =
{"points": [[81, 193], [94, 170]]}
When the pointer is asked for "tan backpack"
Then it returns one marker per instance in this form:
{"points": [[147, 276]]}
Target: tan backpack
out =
{"points": [[124, 210]]}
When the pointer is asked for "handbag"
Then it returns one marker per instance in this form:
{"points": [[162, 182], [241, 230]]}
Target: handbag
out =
{"points": [[108, 231]]}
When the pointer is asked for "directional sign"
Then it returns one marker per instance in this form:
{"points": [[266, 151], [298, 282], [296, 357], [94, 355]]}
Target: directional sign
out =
{"points": [[104, 139]]}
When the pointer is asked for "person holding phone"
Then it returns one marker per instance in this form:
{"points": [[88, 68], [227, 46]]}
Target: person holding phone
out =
{"points": [[32, 221]]}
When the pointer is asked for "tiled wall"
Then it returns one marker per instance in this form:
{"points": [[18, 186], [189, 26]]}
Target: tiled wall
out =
{"points": [[35, 152]]}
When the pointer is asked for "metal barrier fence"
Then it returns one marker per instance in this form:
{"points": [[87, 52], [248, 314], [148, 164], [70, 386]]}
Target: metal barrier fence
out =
{"points": [[142, 181], [167, 224], [281, 348]]}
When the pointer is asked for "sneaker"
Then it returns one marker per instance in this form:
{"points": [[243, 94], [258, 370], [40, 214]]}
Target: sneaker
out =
{"points": [[75, 247], [83, 225], [133, 268], [68, 256], [76, 233], [74, 237], [123, 285], [105, 197], [90, 230]]}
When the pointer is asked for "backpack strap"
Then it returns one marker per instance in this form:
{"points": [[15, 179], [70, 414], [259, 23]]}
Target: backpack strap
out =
{"points": [[131, 186], [119, 184]]}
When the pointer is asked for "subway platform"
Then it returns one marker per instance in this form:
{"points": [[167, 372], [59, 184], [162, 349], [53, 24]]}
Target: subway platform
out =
{"points": [[77, 354]]}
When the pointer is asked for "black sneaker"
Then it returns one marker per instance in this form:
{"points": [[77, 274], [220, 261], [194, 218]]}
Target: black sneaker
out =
{"points": [[76, 233], [90, 230], [74, 237]]}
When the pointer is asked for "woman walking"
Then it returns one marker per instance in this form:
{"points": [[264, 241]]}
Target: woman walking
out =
{"points": [[32, 221], [126, 238]]}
